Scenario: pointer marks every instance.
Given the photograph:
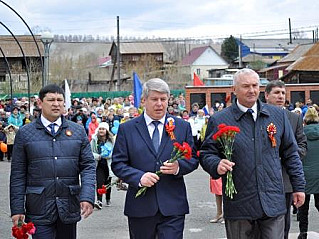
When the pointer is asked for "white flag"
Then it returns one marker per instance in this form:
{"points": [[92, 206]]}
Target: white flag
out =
{"points": [[67, 95]]}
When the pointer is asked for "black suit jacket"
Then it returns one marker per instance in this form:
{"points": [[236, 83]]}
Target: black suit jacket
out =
{"points": [[296, 123]]}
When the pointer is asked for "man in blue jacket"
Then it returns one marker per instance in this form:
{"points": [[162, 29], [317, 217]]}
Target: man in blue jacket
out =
{"points": [[143, 147], [49, 155], [258, 208]]}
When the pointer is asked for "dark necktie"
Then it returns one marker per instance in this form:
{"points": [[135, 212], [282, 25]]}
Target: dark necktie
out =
{"points": [[156, 136], [52, 128], [251, 112]]}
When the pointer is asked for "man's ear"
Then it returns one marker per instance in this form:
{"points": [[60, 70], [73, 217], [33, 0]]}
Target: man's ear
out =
{"points": [[233, 89]]}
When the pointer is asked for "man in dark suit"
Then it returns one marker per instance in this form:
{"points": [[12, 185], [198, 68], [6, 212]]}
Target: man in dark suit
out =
{"points": [[275, 94], [143, 147]]}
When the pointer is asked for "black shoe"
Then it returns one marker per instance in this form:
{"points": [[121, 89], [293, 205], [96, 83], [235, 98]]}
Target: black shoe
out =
{"points": [[302, 235], [98, 205]]}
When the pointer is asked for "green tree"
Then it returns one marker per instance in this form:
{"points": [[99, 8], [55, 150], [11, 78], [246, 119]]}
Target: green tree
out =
{"points": [[229, 49]]}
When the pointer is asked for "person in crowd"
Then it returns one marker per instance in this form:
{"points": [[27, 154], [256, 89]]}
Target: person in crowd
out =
{"points": [[102, 147], [28, 118], [10, 131], [8, 105], [303, 107], [48, 159], [288, 105], [3, 139], [258, 207], [275, 94], [15, 118], [197, 125], [185, 115], [80, 116], [93, 125], [311, 168], [142, 147], [195, 108], [22, 111], [3, 117]]}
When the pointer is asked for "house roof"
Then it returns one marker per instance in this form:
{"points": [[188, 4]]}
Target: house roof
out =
{"points": [[193, 55], [308, 62], [275, 46], [256, 57], [283, 66], [140, 47], [10, 47], [296, 53]]}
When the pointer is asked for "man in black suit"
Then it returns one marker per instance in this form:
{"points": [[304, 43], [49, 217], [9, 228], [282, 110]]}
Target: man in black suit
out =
{"points": [[275, 94]]}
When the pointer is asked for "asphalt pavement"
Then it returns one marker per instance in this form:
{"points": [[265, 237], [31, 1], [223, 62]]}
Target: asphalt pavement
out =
{"points": [[111, 223]]}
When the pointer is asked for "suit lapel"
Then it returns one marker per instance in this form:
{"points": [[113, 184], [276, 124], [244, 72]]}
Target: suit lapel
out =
{"points": [[143, 131]]}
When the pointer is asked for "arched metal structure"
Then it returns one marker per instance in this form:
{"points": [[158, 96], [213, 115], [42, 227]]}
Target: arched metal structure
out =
{"points": [[25, 60], [28, 29], [9, 70]]}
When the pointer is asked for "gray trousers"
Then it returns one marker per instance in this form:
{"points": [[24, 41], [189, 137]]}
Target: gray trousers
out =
{"points": [[263, 228]]}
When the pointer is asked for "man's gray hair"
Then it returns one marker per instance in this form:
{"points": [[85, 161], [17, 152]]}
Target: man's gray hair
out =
{"points": [[155, 84], [245, 71]]}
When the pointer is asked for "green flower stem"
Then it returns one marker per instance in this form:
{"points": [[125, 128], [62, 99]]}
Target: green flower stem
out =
{"points": [[143, 189]]}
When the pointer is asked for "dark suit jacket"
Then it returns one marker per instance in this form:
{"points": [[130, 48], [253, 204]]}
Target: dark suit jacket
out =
{"points": [[134, 154], [297, 128]]}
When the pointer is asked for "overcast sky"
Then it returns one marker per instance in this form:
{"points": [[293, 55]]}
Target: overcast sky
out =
{"points": [[162, 18]]}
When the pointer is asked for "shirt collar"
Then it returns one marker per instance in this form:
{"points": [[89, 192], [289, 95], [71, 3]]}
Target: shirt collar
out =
{"points": [[244, 108], [149, 120], [46, 122]]}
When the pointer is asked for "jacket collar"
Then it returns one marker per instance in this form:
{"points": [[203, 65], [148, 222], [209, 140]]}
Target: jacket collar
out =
{"points": [[142, 129], [262, 110]]}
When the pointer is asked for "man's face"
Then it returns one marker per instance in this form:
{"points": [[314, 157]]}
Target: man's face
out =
{"points": [[156, 104], [276, 96], [52, 106], [247, 90]]}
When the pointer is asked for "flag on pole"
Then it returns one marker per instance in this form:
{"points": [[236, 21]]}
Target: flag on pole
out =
{"points": [[206, 110], [137, 89], [197, 81], [67, 95]]}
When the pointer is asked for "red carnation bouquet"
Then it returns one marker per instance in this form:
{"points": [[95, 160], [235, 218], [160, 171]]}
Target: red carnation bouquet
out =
{"points": [[226, 137], [179, 152], [23, 230]]}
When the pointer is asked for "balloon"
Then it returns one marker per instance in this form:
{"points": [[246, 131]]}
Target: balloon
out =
{"points": [[3, 148]]}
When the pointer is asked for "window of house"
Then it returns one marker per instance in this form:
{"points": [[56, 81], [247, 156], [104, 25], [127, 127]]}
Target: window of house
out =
{"points": [[135, 58], [297, 96], [314, 96], [199, 98], [198, 71], [2, 78], [218, 97]]}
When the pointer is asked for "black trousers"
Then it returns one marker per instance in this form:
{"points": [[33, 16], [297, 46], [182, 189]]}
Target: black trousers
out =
{"points": [[10, 149], [303, 212], [102, 178], [156, 227], [263, 228], [288, 216], [57, 230]]}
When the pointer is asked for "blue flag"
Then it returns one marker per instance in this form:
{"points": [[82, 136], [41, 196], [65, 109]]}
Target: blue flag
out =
{"points": [[137, 90]]}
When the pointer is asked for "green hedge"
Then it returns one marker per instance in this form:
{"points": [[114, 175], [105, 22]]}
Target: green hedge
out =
{"points": [[111, 94]]}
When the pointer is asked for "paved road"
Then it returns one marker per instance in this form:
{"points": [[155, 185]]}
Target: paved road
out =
{"points": [[110, 222]]}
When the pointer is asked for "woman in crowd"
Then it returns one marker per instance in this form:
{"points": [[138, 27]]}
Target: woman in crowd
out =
{"points": [[102, 147], [311, 168], [92, 125]]}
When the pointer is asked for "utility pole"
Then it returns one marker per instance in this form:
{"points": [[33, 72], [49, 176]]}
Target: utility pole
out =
{"points": [[240, 62], [290, 38], [118, 55]]}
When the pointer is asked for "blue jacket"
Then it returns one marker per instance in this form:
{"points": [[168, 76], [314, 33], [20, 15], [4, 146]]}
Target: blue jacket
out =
{"points": [[45, 169], [257, 173], [134, 154]]}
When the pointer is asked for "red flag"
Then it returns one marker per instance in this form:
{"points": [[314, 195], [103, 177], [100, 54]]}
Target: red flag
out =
{"points": [[197, 81]]}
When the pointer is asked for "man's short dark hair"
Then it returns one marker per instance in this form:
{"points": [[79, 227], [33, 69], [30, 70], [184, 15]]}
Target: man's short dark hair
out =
{"points": [[274, 83], [51, 88]]}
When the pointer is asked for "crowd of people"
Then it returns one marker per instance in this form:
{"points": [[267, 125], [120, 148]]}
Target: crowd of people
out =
{"points": [[106, 135]]}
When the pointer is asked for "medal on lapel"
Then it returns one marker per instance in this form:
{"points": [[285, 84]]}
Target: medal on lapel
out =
{"points": [[169, 127]]}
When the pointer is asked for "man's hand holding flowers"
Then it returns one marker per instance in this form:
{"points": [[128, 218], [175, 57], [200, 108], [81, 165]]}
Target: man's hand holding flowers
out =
{"points": [[170, 168], [224, 166]]}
